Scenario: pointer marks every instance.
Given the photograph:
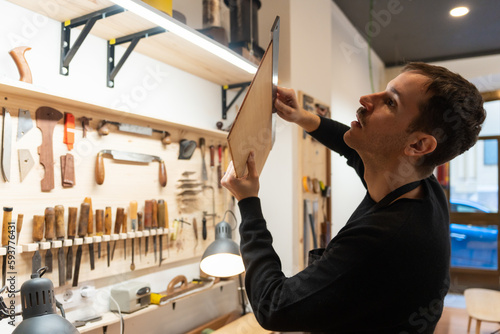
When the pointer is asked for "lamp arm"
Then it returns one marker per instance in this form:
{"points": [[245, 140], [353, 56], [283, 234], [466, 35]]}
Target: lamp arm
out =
{"points": [[234, 216]]}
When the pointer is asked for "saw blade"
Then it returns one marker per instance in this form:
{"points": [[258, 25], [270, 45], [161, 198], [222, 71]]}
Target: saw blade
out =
{"points": [[24, 123]]}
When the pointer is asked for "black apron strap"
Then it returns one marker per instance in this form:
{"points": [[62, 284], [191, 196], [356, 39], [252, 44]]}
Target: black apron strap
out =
{"points": [[390, 197]]}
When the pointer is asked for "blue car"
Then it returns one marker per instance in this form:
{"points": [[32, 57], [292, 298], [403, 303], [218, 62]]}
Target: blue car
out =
{"points": [[459, 205]]}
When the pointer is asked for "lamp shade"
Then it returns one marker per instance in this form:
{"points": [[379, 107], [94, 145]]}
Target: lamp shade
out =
{"points": [[222, 257], [39, 309]]}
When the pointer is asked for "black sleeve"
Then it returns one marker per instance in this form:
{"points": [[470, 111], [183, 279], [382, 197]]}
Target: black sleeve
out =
{"points": [[314, 299], [331, 134]]}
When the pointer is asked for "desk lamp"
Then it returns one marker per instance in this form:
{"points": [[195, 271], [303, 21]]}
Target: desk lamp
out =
{"points": [[39, 308], [222, 257]]}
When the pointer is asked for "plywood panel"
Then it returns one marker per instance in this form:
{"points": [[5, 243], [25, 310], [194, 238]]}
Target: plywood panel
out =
{"points": [[252, 128]]}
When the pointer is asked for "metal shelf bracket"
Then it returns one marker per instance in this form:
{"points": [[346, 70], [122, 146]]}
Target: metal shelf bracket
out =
{"points": [[112, 69], [67, 52], [225, 107]]}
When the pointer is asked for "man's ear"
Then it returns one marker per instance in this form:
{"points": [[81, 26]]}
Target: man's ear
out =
{"points": [[420, 145]]}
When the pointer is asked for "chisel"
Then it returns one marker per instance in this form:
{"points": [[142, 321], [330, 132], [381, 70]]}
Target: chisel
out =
{"points": [[108, 221], [72, 213], [50, 220], [99, 228], [7, 217], [212, 161], [60, 233], [133, 223], [20, 218], [204, 176], [148, 212], [154, 225], [90, 232], [124, 230], [219, 167], [118, 227], [161, 225], [82, 231], [140, 228], [37, 233]]}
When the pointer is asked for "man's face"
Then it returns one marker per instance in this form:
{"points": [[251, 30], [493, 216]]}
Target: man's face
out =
{"points": [[380, 130]]}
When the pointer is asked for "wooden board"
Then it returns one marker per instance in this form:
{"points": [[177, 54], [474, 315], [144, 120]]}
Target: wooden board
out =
{"points": [[252, 128]]}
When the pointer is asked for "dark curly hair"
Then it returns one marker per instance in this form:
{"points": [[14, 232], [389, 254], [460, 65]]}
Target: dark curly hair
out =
{"points": [[453, 114]]}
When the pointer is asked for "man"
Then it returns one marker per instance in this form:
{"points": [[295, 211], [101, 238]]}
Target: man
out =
{"points": [[387, 270]]}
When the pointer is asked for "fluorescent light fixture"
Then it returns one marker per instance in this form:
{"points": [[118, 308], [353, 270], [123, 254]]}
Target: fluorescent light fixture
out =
{"points": [[163, 20], [459, 11]]}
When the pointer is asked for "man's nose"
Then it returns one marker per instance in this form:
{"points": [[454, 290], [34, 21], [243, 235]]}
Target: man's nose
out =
{"points": [[370, 101]]}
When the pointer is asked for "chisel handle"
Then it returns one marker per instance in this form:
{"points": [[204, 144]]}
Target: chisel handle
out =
{"points": [[108, 220], [140, 223], [84, 219], [7, 217], [20, 218], [119, 220], [204, 228], [124, 222], [50, 220], [59, 212], [195, 228], [148, 214], [99, 169], [161, 213], [38, 225], [212, 155], [99, 222], [162, 174], [90, 226], [72, 213], [133, 214], [154, 220]]}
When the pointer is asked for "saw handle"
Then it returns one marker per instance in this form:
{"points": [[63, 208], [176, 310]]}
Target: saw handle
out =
{"points": [[176, 280], [99, 169], [59, 213], [22, 65]]}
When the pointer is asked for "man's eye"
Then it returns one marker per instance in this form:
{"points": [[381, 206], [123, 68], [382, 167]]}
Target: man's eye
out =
{"points": [[390, 102]]}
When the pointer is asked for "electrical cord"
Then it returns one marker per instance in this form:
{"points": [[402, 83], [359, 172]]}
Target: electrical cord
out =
{"points": [[234, 216]]}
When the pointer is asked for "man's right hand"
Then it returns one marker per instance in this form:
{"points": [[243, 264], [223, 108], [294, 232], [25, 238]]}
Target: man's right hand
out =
{"points": [[288, 108]]}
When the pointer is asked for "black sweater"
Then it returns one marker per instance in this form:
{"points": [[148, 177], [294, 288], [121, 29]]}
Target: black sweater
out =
{"points": [[384, 272]]}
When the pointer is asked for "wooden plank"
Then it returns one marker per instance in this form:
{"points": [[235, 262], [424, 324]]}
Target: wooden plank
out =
{"points": [[245, 324], [252, 128]]}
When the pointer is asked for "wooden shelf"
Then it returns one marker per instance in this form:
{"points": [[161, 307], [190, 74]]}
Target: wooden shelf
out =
{"points": [[110, 318], [165, 47], [28, 91]]}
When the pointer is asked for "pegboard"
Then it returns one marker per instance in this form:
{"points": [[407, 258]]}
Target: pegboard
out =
{"points": [[123, 183]]}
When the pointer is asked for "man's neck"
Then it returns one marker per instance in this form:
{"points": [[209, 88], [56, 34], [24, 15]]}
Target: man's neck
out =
{"points": [[383, 180]]}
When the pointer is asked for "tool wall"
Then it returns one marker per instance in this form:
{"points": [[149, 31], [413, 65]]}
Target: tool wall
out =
{"points": [[314, 193], [188, 198]]}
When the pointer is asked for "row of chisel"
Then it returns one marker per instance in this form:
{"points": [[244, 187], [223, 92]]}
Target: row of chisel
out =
{"points": [[51, 225]]}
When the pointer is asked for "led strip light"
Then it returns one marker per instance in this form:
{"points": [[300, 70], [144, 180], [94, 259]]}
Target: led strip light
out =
{"points": [[163, 20]]}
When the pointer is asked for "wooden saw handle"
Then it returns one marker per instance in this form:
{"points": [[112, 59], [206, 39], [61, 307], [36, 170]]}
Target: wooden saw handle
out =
{"points": [[176, 280], [46, 120], [22, 65]]}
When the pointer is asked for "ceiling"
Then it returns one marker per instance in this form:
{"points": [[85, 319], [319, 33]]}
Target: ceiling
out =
{"points": [[423, 30]]}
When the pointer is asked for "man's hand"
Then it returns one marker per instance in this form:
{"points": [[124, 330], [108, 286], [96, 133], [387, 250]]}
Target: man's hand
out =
{"points": [[288, 108], [243, 187]]}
